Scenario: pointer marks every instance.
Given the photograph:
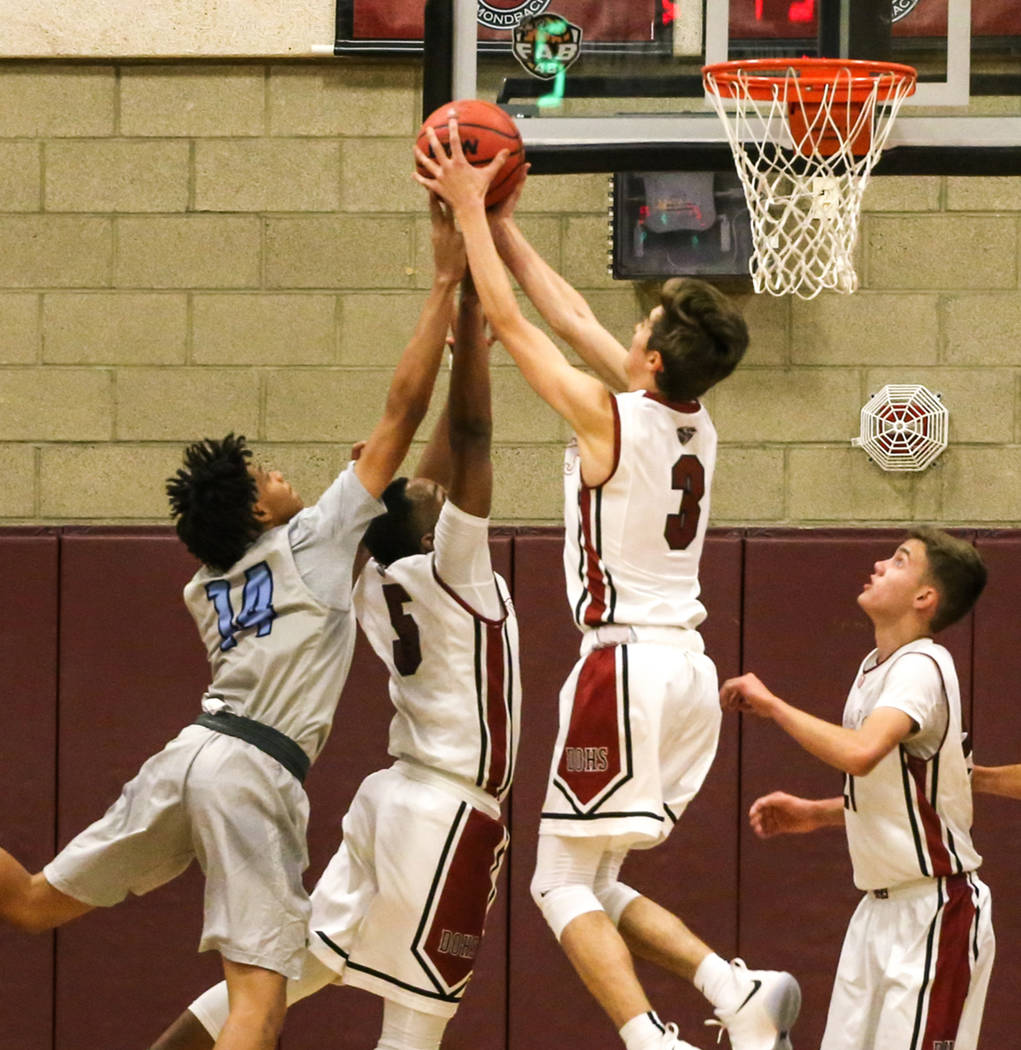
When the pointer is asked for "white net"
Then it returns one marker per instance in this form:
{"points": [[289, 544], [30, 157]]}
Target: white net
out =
{"points": [[804, 155], [903, 427]]}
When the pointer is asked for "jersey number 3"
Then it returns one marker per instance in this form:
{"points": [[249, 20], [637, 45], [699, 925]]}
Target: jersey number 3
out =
{"points": [[256, 605], [688, 476]]}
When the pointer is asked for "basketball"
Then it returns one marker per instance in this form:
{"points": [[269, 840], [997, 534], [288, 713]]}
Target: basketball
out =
{"points": [[485, 129]]}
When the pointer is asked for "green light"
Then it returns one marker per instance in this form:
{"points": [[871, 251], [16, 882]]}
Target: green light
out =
{"points": [[550, 65]]}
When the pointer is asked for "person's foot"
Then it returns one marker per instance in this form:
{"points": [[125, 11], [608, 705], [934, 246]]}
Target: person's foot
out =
{"points": [[767, 1008]]}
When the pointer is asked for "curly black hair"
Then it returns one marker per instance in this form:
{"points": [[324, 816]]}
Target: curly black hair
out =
{"points": [[212, 500], [397, 533], [700, 335]]}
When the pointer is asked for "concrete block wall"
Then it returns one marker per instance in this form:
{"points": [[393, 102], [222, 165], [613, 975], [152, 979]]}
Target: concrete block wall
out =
{"points": [[190, 248]]}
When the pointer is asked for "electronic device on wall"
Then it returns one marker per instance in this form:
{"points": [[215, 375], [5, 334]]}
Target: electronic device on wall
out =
{"points": [[671, 224]]}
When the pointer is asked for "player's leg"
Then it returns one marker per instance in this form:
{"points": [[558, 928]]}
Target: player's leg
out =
{"points": [[29, 902], [405, 1028], [257, 1007], [199, 1025], [564, 889]]}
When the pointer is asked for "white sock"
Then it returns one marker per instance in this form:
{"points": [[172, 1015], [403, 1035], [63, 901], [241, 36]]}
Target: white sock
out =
{"points": [[643, 1032], [714, 978]]}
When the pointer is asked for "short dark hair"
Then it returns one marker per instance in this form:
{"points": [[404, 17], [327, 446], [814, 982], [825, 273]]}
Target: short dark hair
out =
{"points": [[956, 570], [700, 335], [394, 535], [212, 499]]}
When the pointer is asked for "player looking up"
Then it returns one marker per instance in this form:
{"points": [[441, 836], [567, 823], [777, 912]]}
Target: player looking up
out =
{"points": [[272, 602], [637, 484], [919, 949]]}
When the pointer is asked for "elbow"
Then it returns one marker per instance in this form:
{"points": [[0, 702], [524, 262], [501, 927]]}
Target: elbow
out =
{"points": [[860, 762], [470, 433]]}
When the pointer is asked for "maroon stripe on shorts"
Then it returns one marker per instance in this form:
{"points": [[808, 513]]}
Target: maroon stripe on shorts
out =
{"points": [[464, 896], [591, 757], [939, 855], [952, 971]]}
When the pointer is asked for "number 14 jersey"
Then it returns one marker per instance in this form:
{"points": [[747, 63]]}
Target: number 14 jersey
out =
{"points": [[632, 545]]}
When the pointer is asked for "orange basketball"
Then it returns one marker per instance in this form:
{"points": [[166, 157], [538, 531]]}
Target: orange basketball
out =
{"points": [[485, 129]]}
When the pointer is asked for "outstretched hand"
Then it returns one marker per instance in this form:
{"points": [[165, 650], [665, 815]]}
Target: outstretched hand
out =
{"points": [[781, 814], [747, 693], [503, 211], [451, 176]]}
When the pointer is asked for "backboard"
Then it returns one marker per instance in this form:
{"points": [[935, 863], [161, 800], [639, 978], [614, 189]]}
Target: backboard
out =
{"points": [[615, 85]]}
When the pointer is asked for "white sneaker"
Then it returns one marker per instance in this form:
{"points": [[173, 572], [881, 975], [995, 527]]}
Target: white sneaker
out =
{"points": [[671, 1042], [768, 1007]]}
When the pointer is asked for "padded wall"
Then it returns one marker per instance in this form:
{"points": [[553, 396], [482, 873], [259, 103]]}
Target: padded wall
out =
{"points": [[804, 636], [28, 726], [694, 874], [997, 737], [357, 747], [132, 672]]}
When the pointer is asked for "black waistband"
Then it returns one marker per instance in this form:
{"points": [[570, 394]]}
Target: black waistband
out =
{"points": [[267, 739]]}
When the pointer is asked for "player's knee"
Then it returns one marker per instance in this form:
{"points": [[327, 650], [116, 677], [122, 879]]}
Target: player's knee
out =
{"points": [[562, 904], [614, 898]]}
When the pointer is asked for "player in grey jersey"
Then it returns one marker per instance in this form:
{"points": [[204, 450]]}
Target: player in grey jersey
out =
{"points": [[272, 602]]}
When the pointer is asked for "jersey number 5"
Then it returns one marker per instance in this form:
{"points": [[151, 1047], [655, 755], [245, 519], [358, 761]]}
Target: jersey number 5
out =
{"points": [[256, 605], [407, 647], [688, 476]]}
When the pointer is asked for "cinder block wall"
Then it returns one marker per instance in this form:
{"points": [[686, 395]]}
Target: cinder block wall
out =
{"points": [[191, 248]]}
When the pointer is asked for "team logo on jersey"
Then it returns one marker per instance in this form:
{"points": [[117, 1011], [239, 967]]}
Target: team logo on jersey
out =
{"points": [[901, 8], [685, 434], [943, 1044], [505, 14], [546, 44]]}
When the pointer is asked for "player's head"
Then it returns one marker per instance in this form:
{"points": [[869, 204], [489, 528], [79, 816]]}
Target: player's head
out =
{"points": [[955, 569], [930, 576], [700, 335], [412, 509], [221, 502]]}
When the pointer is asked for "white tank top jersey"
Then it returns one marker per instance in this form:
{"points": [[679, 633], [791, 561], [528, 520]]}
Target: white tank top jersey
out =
{"points": [[454, 677], [632, 545], [278, 652], [910, 818]]}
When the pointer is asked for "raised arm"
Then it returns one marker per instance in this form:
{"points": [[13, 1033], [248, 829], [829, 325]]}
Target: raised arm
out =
{"points": [[854, 751], [562, 307], [581, 399], [997, 780], [411, 387]]}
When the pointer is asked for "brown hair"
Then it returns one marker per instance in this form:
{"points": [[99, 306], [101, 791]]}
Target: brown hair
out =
{"points": [[956, 570], [700, 335]]}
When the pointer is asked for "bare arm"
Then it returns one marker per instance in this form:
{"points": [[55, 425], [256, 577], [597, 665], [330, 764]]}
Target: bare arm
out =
{"points": [[582, 400], [997, 780], [411, 387], [563, 308], [781, 814], [854, 751], [471, 410]]}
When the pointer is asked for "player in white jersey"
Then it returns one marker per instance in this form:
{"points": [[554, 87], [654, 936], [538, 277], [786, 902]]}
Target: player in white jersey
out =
{"points": [[400, 908], [272, 604], [639, 718], [919, 949]]}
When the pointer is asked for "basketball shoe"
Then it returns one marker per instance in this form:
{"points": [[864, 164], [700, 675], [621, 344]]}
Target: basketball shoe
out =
{"points": [[671, 1042], [767, 1007]]}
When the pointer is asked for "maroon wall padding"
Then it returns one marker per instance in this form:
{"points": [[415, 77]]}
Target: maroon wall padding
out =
{"points": [[357, 747], [997, 737], [28, 740], [804, 636], [132, 671], [694, 873]]}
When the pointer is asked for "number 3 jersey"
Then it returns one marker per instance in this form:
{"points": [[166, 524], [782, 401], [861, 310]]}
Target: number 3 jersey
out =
{"points": [[454, 678], [632, 545]]}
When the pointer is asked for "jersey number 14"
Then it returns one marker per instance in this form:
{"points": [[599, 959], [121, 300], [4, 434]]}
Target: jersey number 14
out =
{"points": [[256, 605]]}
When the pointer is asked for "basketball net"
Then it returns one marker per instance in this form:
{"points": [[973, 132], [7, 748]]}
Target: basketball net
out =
{"points": [[805, 135]]}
